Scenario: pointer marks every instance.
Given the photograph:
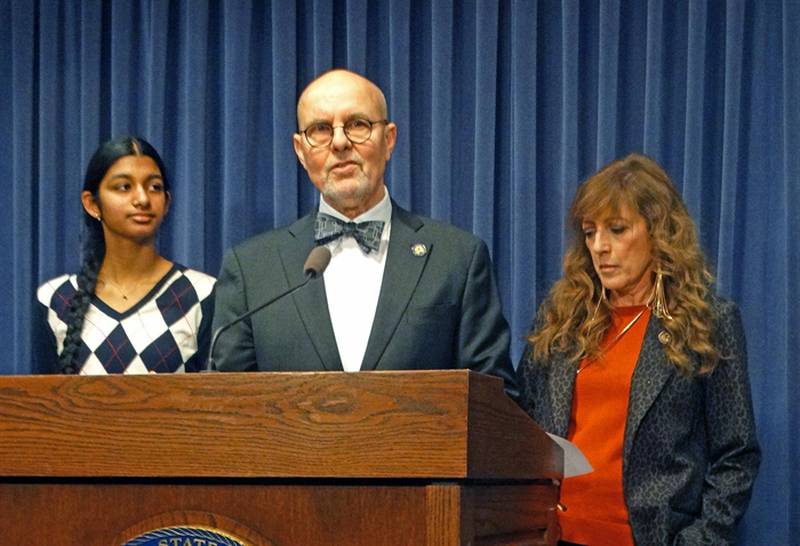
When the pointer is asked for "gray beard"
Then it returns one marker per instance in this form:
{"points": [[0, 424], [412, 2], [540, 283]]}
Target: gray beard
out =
{"points": [[334, 195]]}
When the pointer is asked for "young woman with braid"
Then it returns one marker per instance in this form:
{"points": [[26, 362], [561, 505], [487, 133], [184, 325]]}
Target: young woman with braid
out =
{"points": [[636, 360], [129, 309]]}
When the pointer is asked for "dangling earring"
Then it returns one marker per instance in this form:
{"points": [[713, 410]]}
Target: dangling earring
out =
{"points": [[601, 300], [99, 218], [660, 308]]}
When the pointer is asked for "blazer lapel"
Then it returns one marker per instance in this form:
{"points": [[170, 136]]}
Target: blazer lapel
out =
{"points": [[311, 301], [649, 377], [400, 278], [562, 388]]}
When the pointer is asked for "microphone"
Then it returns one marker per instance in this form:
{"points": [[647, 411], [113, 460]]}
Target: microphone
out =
{"points": [[316, 263], [318, 259]]}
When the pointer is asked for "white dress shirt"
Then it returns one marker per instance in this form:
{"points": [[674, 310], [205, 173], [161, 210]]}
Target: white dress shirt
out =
{"points": [[353, 283]]}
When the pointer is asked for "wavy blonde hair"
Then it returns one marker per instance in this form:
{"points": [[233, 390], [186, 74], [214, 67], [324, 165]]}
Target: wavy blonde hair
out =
{"points": [[574, 318]]}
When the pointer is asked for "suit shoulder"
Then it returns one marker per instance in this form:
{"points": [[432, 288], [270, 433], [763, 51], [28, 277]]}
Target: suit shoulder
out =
{"points": [[722, 305], [442, 230], [724, 310], [268, 239], [728, 323]]}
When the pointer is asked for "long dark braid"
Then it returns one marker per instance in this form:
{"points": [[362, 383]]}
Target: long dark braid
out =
{"points": [[94, 246], [94, 249]]}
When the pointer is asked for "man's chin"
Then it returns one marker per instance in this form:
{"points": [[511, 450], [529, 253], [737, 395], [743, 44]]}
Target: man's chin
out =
{"points": [[345, 189]]}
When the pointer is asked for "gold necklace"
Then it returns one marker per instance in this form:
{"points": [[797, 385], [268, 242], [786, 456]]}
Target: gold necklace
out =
{"points": [[122, 292], [616, 337]]}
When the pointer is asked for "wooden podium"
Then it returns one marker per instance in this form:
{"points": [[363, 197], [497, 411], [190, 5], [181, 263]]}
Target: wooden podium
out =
{"points": [[371, 458]]}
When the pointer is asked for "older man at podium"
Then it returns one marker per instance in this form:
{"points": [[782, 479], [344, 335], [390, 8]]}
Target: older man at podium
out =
{"points": [[401, 291]]}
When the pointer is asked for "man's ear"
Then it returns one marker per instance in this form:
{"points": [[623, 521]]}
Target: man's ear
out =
{"points": [[390, 138], [297, 142]]}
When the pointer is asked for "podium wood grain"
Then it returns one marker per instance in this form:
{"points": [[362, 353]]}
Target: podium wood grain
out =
{"points": [[436, 458]]}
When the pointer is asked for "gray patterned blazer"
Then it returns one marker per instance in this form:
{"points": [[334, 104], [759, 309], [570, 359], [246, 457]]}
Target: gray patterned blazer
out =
{"points": [[690, 452]]}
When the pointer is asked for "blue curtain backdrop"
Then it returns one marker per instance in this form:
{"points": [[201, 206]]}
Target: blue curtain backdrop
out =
{"points": [[502, 108]]}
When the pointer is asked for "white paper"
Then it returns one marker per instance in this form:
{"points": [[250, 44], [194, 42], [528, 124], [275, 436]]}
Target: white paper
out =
{"points": [[575, 463]]}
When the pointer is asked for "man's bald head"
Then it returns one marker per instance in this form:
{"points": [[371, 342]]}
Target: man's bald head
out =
{"points": [[339, 78]]}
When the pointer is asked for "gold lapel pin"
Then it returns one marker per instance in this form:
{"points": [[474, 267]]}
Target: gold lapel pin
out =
{"points": [[419, 249], [664, 337]]}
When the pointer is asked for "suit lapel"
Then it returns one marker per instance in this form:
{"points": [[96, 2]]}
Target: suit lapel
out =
{"points": [[649, 377], [400, 277], [311, 301]]}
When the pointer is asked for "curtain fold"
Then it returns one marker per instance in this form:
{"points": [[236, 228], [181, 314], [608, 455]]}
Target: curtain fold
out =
{"points": [[24, 172], [573, 70], [523, 217], [235, 106], [502, 109], [787, 267], [440, 132], [607, 82], [730, 145], [483, 126], [398, 92], [697, 29], [655, 66]]}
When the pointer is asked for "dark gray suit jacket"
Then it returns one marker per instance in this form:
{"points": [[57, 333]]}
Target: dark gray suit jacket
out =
{"points": [[439, 310], [690, 453]]}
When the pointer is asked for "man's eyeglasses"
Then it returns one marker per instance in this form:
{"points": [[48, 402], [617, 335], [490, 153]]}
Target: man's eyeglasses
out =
{"points": [[356, 130]]}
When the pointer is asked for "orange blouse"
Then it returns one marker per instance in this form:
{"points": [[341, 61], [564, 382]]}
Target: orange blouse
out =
{"points": [[596, 514]]}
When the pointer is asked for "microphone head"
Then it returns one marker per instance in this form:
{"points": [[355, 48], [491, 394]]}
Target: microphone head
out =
{"points": [[318, 259]]}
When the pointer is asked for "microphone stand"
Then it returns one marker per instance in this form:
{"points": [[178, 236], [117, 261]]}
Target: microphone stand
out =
{"points": [[210, 365]]}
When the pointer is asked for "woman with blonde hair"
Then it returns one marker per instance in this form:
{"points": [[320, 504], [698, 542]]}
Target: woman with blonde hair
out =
{"points": [[635, 359]]}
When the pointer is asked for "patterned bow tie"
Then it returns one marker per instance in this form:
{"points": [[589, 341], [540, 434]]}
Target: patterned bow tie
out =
{"points": [[328, 228]]}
